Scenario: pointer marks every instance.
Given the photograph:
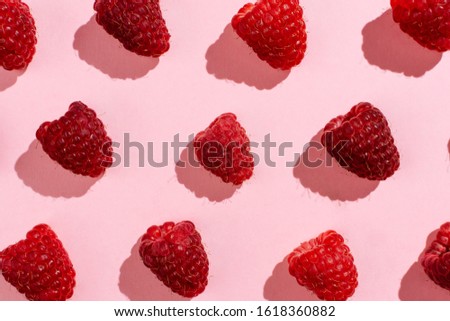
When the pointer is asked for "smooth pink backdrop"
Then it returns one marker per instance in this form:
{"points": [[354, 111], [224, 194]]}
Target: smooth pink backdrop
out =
{"points": [[355, 53]]}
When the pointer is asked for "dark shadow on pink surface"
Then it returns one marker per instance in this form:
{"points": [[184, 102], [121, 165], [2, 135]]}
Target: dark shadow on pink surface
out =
{"points": [[9, 77], [230, 58], [417, 286], [329, 179], [9, 293], [138, 283], [281, 286], [199, 181], [104, 52], [385, 45], [46, 177]]}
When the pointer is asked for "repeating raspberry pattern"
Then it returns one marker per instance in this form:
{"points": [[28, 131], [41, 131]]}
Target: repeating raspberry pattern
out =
{"points": [[39, 265]]}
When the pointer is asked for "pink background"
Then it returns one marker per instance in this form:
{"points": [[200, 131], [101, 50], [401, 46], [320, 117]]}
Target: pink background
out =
{"points": [[355, 53]]}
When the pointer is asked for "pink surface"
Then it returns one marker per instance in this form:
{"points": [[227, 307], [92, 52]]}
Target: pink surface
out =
{"points": [[355, 53]]}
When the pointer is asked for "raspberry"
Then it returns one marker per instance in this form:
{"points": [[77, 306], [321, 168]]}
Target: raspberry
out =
{"points": [[77, 141], [325, 266], [138, 25], [275, 30], [17, 35], [361, 142], [175, 254], [427, 21], [436, 259], [39, 266], [224, 149]]}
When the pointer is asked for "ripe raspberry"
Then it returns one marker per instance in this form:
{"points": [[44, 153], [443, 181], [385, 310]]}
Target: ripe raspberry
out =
{"points": [[138, 25], [325, 266], [77, 141], [361, 142], [427, 21], [39, 266], [175, 254], [224, 149], [17, 35], [274, 29], [436, 259]]}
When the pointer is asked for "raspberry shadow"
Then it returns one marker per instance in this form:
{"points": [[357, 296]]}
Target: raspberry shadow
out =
{"points": [[281, 286], [199, 181], [46, 177], [385, 45], [329, 179], [230, 58], [417, 286], [102, 51], [138, 283], [9, 77], [9, 293]]}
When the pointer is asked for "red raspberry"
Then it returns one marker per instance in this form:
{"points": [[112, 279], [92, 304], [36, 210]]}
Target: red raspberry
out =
{"points": [[17, 35], [361, 142], [325, 266], [77, 141], [427, 21], [175, 254], [224, 149], [274, 29], [39, 266], [436, 259], [138, 25]]}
